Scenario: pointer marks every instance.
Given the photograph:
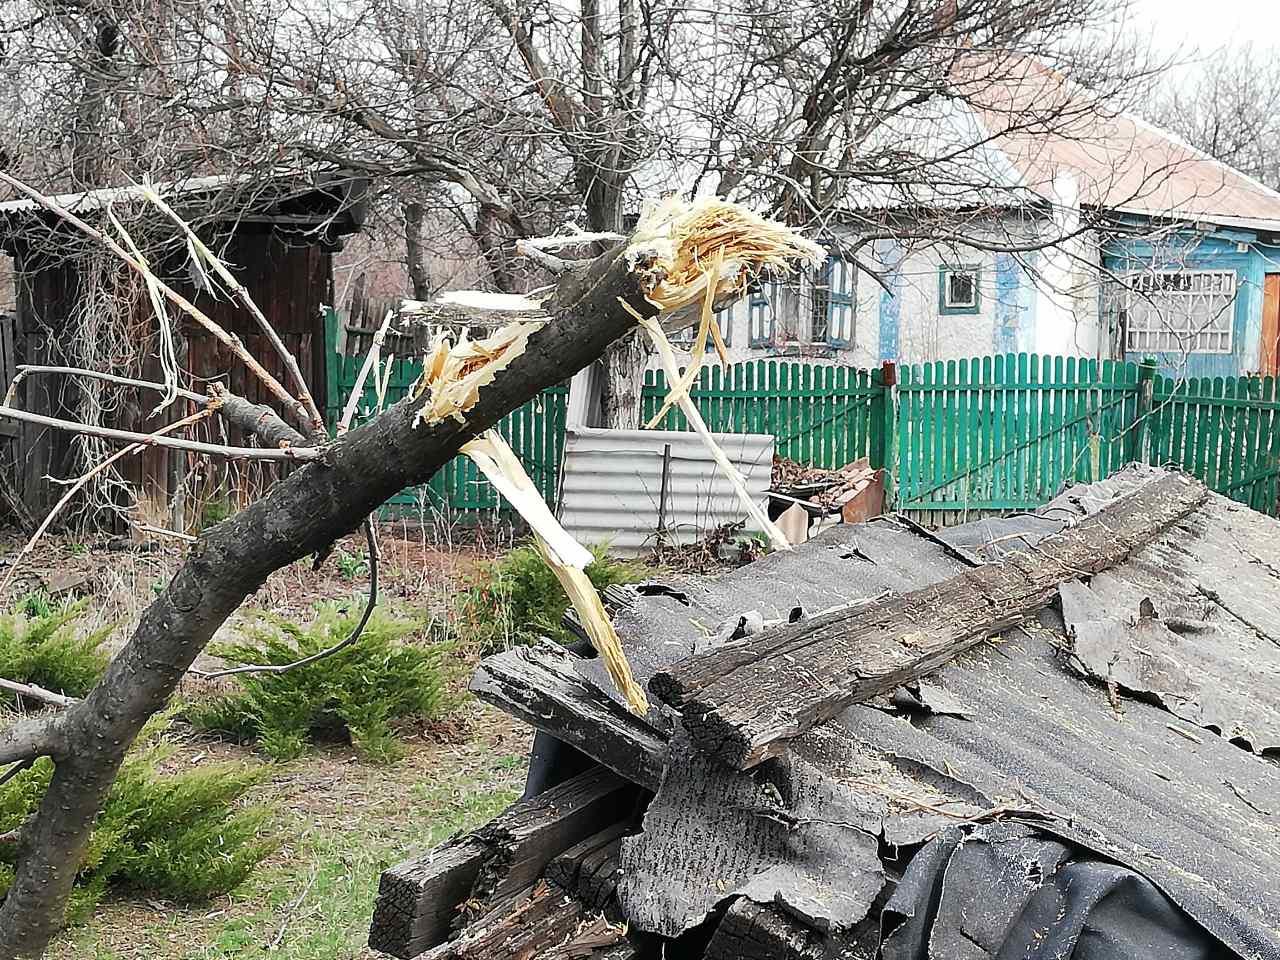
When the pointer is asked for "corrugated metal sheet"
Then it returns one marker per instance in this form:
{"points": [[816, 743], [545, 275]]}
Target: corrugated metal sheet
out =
{"points": [[612, 482]]}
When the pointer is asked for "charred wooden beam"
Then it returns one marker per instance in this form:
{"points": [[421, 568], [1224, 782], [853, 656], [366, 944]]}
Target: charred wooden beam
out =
{"points": [[527, 926], [543, 922], [753, 931], [539, 685], [590, 869], [423, 900], [741, 703]]}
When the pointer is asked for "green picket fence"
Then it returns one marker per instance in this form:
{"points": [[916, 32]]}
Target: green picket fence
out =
{"points": [[1008, 433], [535, 432], [1224, 430], [960, 438], [821, 415]]}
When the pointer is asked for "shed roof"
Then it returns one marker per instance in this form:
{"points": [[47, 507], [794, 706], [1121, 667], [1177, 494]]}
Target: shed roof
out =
{"points": [[1171, 783], [333, 200]]}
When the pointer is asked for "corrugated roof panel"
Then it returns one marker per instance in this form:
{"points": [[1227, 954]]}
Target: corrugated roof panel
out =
{"points": [[611, 485]]}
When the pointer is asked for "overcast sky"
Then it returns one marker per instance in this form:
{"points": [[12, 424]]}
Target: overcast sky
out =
{"points": [[1210, 23]]}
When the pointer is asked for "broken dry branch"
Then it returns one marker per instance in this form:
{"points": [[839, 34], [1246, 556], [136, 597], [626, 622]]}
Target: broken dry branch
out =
{"points": [[370, 363], [36, 693], [288, 454], [27, 369], [742, 702]]}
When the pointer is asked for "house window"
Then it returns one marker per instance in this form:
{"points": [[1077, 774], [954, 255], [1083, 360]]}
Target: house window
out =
{"points": [[833, 303], [1176, 311], [761, 303], [958, 289]]}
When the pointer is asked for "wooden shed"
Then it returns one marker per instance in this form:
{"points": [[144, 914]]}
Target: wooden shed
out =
{"points": [[278, 237]]}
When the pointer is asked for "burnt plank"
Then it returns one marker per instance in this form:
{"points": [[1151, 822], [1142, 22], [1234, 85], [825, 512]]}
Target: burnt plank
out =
{"points": [[753, 931], [742, 702], [528, 926], [539, 684], [566, 870], [542, 922], [419, 901]]}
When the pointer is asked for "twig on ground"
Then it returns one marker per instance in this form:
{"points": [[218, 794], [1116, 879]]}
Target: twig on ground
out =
{"points": [[372, 540], [289, 911]]}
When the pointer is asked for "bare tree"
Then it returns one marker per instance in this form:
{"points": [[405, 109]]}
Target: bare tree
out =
{"points": [[1227, 103]]}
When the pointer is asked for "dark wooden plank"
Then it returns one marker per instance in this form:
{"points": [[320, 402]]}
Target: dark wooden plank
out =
{"points": [[419, 900], [753, 931], [742, 702], [578, 866], [539, 684], [542, 922]]}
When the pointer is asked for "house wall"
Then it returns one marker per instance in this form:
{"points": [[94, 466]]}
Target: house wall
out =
{"points": [[1250, 256], [1043, 301]]}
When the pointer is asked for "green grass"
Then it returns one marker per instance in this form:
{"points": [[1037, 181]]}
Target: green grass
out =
{"points": [[326, 878]]}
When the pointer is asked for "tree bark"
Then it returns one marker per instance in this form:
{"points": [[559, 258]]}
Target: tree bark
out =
{"points": [[303, 513], [413, 250], [624, 364]]}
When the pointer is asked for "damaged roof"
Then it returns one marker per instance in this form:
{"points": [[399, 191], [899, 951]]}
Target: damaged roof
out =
{"points": [[1144, 728]]}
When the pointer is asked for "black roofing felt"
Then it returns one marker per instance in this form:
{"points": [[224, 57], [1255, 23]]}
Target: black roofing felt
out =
{"points": [[1194, 812]]}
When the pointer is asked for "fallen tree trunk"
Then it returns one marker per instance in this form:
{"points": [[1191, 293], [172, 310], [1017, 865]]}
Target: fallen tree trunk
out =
{"points": [[741, 703], [301, 515]]}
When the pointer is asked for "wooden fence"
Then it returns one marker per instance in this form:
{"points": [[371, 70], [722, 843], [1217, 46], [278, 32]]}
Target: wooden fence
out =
{"points": [[960, 438]]}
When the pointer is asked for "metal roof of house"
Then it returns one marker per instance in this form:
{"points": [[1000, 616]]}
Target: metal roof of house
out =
{"points": [[1018, 133], [1046, 125], [1168, 780]]}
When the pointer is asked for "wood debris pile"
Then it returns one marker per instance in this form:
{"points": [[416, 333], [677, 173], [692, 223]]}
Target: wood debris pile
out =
{"points": [[678, 833], [827, 489]]}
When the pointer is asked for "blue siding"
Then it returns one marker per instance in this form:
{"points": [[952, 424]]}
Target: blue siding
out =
{"points": [[890, 254], [1014, 327], [1215, 251]]}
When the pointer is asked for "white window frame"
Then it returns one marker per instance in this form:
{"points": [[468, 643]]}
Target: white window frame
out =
{"points": [[1158, 310]]}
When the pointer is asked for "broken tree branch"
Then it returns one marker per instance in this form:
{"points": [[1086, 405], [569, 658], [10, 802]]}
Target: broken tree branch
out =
{"points": [[255, 418], [742, 702], [588, 309], [36, 692], [290, 454]]}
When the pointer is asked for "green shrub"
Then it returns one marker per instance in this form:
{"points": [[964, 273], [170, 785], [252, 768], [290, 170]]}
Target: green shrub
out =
{"points": [[350, 565], [39, 644], [357, 693], [180, 836], [517, 599]]}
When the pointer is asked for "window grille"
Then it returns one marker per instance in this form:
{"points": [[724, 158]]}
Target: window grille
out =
{"points": [[834, 290], [1177, 311]]}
